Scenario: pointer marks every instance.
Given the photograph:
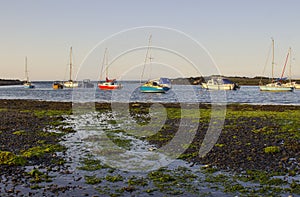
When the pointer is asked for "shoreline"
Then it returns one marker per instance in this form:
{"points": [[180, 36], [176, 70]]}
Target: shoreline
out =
{"points": [[68, 104], [5, 82]]}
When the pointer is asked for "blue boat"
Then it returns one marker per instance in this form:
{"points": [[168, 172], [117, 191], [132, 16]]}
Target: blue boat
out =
{"points": [[156, 86], [28, 85], [161, 85]]}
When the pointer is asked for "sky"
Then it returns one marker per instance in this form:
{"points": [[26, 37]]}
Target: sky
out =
{"points": [[189, 38]]}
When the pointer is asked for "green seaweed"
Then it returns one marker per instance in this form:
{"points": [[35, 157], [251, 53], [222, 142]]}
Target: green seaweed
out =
{"points": [[40, 151], [43, 113], [137, 181], [234, 188], [220, 145], [295, 187], [9, 158], [118, 140], [272, 149], [90, 164], [47, 134], [21, 132], [38, 176], [35, 187], [161, 176], [218, 178], [59, 161], [113, 179], [92, 179], [209, 169]]}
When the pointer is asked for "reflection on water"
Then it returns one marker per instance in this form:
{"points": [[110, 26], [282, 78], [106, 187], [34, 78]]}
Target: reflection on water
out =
{"points": [[130, 92], [109, 141]]}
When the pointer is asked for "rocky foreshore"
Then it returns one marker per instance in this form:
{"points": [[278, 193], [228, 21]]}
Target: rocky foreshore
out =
{"points": [[254, 138]]}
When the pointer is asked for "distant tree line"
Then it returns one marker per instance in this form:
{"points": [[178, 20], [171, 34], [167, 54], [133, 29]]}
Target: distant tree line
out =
{"points": [[239, 80], [4, 82]]}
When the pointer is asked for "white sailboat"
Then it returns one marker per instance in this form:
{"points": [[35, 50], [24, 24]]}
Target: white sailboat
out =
{"points": [[274, 86], [70, 83], [27, 83]]}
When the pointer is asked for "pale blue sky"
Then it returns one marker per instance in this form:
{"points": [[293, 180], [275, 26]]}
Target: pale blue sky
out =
{"points": [[236, 33]]}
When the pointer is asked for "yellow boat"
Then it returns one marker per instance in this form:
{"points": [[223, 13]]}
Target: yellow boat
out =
{"points": [[57, 85]]}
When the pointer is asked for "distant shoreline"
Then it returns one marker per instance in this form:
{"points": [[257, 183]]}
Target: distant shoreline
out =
{"points": [[4, 82], [249, 81], [254, 81]]}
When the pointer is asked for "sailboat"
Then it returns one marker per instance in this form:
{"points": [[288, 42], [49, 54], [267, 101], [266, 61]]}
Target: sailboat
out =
{"points": [[27, 83], [70, 83], [161, 85], [275, 85], [108, 84], [291, 83]]}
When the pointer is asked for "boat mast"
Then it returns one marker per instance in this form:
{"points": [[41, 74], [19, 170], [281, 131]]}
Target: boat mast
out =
{"points": [[26, 71], [103, 63], [285, 63], [272, 59], [106, 64], [70, 64], [290, 70], [148, 49]]}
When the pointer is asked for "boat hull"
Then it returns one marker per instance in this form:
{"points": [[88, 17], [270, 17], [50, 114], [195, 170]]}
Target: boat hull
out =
{"points": [[70, 84], [108, 87], [219, 87], [57, 86], [220, 84], [28, 85], [156, 86], [292, 85], [276, 89], [149, 89]]}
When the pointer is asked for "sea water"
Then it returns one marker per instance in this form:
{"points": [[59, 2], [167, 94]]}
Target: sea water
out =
{"points": [[130, 93]]}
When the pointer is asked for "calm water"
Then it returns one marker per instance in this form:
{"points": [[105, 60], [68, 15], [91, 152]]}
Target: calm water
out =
{"points": [[130, 92]]}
